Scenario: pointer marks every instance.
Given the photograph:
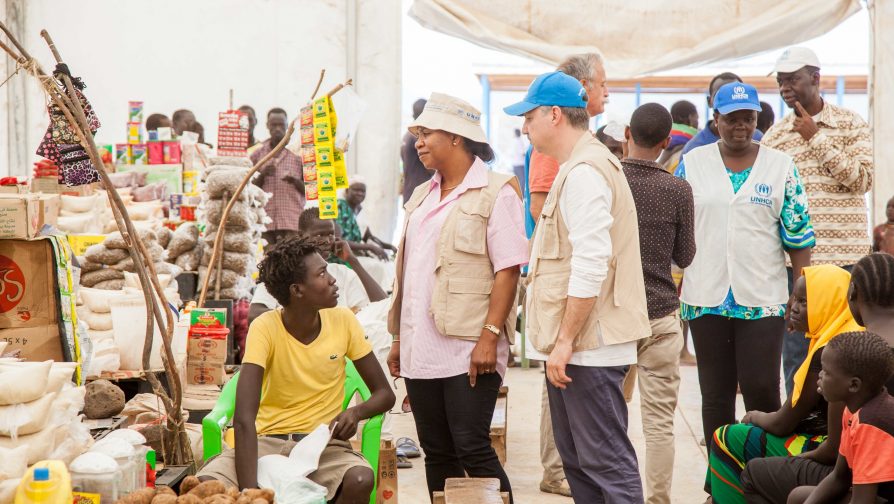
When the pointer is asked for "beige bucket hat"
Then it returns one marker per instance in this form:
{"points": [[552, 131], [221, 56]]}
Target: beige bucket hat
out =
{"points": [[450, 114]]}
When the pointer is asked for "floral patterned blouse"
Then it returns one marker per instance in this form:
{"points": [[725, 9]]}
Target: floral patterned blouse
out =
{"points": [[795, 232]]}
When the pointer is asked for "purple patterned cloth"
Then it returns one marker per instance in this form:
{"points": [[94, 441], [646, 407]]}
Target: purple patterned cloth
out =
{"points": [[62, 146]]}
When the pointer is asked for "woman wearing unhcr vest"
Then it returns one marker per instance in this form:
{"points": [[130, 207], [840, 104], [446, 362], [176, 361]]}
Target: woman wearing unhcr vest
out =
{"points": [[454, 302], [750, 209]]}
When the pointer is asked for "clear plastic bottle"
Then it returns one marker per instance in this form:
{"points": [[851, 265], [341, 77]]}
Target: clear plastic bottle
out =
{"points": [[96, 473], [138, 441], [123, 453]]}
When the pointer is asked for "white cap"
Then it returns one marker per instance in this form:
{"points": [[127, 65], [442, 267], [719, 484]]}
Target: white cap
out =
{"points": [[794, 59]]}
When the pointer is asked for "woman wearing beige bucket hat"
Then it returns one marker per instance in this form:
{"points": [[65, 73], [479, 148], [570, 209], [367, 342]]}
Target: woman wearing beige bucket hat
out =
{"points": [[453, 307]]}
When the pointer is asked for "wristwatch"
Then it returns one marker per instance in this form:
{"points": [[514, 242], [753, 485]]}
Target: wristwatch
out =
{"points": [[492, 328]]}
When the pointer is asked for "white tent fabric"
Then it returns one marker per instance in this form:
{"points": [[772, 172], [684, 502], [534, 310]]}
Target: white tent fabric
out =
{"points": [[636, 38]]}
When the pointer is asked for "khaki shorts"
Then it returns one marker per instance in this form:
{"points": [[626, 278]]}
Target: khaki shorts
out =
{"points": [[335, 461]]}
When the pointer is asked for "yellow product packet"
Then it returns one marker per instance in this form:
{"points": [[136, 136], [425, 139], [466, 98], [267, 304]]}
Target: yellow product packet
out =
{"points": [[322, 131], [86, 498], [321, 107], [328, 207], [326, 179], [324, 154], [341, 169]]}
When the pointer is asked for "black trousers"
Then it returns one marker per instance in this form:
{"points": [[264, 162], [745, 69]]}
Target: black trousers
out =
{"points": [[453, 423], [734, 352], [770, 480]]}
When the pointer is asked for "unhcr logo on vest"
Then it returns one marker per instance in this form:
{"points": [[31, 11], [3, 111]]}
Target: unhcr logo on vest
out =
{"points": [[739, 93], [762, 195]]}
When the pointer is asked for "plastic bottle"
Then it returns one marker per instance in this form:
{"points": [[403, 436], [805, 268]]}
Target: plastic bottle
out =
{"points": [[123, 453], [47, 482], [138, 441]]}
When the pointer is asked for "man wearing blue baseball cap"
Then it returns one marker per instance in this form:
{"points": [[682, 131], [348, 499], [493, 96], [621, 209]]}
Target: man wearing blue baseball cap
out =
{"points": [[750, 210], [586, 302]]}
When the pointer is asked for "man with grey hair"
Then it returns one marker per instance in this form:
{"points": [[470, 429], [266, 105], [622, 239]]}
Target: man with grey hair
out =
{"points": [[540, 173], [586, 300]]}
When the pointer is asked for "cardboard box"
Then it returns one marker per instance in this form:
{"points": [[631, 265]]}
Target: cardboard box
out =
{"points": [[80, 242], [27, 284], [36, 343], [170, 174], [50, 206], [205, 349], [48, 185], [19, 215], [14, 189], [386, 491], [200, 373]]}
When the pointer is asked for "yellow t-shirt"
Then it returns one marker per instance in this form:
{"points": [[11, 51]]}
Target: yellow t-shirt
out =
{"points": [[304, 385]]}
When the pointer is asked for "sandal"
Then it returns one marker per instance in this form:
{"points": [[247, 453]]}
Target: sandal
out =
{"points": [[408, 448], [403, 462]]}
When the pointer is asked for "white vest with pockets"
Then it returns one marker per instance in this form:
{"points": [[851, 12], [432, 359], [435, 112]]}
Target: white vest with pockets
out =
{"points": [[737, 234]]}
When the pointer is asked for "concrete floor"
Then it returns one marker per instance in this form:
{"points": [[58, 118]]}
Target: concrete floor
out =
{"points": [[523, 450]]}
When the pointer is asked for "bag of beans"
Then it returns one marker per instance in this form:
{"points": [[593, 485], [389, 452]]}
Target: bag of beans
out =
{"points": [[100, 254], [91, 278], [115, 241]]}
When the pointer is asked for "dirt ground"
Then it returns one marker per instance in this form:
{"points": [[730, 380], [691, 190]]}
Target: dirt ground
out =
{"points": [[523, 450]]}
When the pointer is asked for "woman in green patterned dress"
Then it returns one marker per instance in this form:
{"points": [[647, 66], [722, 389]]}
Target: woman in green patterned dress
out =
{"points": [[750, 211]]}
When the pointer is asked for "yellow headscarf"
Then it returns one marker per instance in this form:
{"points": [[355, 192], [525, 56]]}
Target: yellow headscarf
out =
{"points": [[827, 314]]}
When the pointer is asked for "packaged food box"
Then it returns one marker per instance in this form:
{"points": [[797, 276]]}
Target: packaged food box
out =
{"points": [[172, 153], [156, 153], [122, 154], [135, 112], [134, 133], [139, 154]]}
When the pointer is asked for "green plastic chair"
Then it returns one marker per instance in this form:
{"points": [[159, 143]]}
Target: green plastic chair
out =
{"points": [[215, 423]]}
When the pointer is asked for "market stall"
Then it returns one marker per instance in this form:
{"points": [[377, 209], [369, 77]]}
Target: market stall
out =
{"points": [[124, 270]]}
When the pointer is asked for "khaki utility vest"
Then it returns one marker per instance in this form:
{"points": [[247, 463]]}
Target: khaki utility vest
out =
{"points": [[619, 314], [464, 272]]}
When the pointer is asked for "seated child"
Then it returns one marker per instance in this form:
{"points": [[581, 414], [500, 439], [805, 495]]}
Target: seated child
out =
{"points": [[855, 369], [293, 378]]}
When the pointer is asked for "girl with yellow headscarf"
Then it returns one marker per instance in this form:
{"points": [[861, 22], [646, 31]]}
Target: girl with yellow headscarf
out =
{"points": [[819, 309]]}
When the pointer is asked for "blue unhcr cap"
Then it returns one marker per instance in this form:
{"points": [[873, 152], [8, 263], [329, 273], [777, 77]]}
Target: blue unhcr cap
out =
{"points": [[736, 96], [551, 89]]}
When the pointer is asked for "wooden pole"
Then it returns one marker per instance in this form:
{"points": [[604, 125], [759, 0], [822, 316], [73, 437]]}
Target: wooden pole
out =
{"points": [[74, 112], [221, 230]]}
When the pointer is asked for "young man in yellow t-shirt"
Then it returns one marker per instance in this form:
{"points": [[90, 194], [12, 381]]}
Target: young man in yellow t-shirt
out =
{"points": [[293, 377]]}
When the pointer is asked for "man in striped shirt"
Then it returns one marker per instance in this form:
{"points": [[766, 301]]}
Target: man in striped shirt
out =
{"points": [[832, 149]]}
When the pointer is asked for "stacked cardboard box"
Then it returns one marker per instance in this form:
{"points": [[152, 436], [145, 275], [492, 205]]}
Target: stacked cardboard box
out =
{"points": [[207, 349], [29, 310]]}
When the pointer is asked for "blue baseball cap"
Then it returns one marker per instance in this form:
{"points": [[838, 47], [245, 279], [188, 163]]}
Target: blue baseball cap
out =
{"points": [[736, 96], [551, 89]]}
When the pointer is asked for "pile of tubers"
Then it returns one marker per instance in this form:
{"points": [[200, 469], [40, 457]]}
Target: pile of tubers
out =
{"points": [[193, 491]]}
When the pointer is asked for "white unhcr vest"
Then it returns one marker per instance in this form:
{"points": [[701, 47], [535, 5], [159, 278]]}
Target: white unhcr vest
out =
{"points": [[737, 234]]}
